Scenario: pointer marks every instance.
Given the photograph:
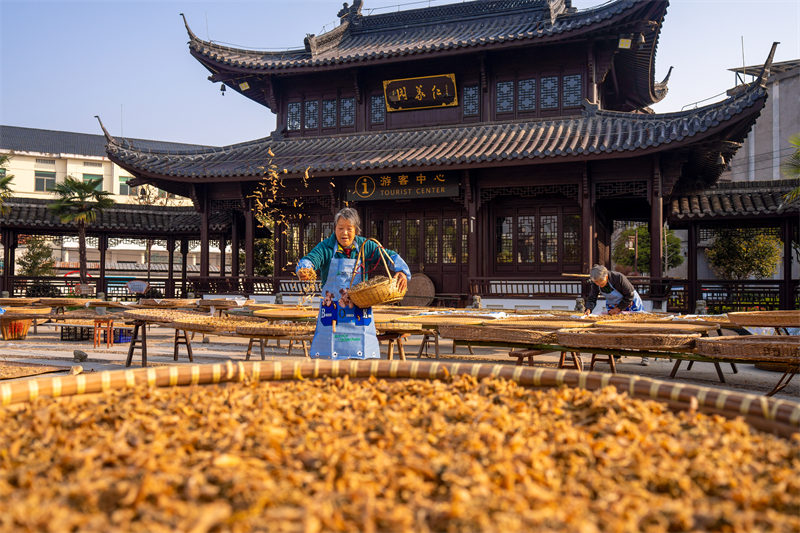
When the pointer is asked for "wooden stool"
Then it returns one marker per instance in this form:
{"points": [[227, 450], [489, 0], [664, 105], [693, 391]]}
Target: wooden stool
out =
{"points": [[576, 360], [101, 325], [610, 361], [394, 338], [522, 354], [182, 339], [261, 343]]}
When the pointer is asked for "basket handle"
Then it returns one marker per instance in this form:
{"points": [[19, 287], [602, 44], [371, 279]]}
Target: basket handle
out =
{"points": [[362, 258]]}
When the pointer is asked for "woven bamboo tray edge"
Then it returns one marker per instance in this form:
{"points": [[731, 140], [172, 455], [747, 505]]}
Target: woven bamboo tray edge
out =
{"points": [[752, 348], [624, 341]]}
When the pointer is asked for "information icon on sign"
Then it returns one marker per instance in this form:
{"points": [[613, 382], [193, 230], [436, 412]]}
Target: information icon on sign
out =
{"points": [[365, 187]]}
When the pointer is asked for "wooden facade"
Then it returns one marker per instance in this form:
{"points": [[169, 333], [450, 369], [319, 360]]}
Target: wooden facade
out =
{"points": [[519, 175]]}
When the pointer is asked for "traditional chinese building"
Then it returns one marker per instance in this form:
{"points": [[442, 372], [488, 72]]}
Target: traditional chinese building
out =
{"points": [[489, 142]]}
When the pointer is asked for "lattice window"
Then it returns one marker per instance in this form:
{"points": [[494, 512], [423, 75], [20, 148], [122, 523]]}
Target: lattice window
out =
{"points": [[395, 236], [449, 230], [705, 234], [572, 238], [504, 230], [550, 92], [505, 97], [293, 116], [412, 242], [377, 110], [311, 118], [329, 113], [526, 95], [347, 111], [293, 242], [526, 239], [548, 239], [310, 236], [573, 90], [561, 191], [95, 164], [221, 205], [471, 101], [432, 240], [327, 230], [45, 161], [621, 188], [464, 240]]}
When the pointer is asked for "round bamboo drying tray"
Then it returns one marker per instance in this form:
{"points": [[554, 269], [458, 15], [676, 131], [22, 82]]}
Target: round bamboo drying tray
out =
{"points": [[536, 323], [168, 303], [443, 319], [287, 313], [553, 312], [222, 304], [12, 302], [398, 327], [789, 319], [268, 329], [768, 414], [159, 315], [27, 311], [662, 326], [65, 302], [497, 334], [631, 317], [775, 348], [625, 340]]}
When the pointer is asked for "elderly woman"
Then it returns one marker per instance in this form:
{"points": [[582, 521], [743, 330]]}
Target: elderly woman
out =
{"points": [[345, 331], [619, 292]]}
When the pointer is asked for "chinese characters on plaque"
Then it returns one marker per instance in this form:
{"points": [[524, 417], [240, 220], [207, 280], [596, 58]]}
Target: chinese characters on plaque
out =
{"points": [[408, 185], [420, 93]]}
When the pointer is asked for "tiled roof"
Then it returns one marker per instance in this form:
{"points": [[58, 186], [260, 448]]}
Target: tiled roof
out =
{"points": [[67, 142], [122, 219], [735, 199], [464, 25], [593, 134]]}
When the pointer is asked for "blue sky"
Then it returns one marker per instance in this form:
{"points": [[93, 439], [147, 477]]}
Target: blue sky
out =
{"points": [[127, 61]]}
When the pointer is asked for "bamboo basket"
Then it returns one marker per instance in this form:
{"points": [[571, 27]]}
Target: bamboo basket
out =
{"points": [[767, 318], [773, 415], [773, 348], [625, 340], [269, 329], [497, 334], [382, 292], [15, 330]]}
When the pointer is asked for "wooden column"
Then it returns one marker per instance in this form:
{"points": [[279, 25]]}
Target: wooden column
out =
{"points": [[204, 240], [588, 236], [8, 264], [472, 225], [786, 293], [223, 243], [692, 291], [184, 261], [102, 247], [656, 223], [235, 244], [170, 292], [249, 242]]}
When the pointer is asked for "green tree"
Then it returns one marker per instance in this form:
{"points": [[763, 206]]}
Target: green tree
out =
{"points": [[5, 183], [625, 253], [743, 253], [80, 202], [263, 251], [791, 168], [38, 258]]}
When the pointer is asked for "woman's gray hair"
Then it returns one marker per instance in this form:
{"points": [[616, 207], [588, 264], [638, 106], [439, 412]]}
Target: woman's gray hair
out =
{"points": [[598, 273], [351, 215]]}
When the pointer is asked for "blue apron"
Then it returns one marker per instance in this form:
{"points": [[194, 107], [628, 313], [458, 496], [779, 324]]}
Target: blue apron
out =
{"points": [[614, 297], [343, 331]]}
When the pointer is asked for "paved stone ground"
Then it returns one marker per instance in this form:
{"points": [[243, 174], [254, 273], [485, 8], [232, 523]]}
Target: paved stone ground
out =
{"points": [[46, 348]]}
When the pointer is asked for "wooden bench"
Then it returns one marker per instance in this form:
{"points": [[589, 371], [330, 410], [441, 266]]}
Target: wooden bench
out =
{"points": [[522, 354]]}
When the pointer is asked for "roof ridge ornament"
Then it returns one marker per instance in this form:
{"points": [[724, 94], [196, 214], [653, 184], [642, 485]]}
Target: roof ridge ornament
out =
{"points": [[107, 135], [192, 36], [762, 77], [350, 13]]}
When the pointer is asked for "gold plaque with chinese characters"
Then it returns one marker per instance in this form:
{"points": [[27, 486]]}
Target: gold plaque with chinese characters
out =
{"points": [[426, 92], [409, 185]]}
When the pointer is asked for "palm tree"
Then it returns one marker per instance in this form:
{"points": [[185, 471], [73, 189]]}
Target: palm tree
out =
{"points": [[5, 184], [791, 168], [80, 202]]}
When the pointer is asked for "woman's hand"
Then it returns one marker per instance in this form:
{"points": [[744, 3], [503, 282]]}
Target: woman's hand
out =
{"points": [[306, 274], [614, 311], [402, 281]]}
